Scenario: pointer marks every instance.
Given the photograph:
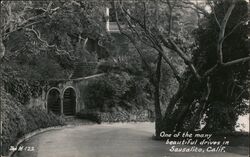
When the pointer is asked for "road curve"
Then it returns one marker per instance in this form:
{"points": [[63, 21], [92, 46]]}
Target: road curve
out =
{"points": [[106, 140]]}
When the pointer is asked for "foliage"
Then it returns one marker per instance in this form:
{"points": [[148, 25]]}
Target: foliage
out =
{"points": [[116, 91], [119, 116], [227, 99], [44, 41], [164, 56], [23, 89], [51, 32], [126, 84], [90, 114], [19, 120], [33, 67], [214, 72]]}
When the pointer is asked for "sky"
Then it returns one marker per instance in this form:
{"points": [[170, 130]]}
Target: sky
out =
{"points": [[243, 122]]}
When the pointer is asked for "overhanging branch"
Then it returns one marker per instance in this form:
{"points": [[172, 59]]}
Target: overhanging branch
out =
{"points": [[183, 56], [222, 32], [154, 42], [246, 59], [58, 51]]}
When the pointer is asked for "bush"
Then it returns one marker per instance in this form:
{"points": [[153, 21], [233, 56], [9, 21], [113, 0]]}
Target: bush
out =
{"points": [[90, 115], [117, 90], [97, 94], [19, 120], [118, 116]]}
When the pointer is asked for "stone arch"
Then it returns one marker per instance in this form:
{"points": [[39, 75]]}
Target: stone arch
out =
{"points": [[54, 100], [69, 101]]}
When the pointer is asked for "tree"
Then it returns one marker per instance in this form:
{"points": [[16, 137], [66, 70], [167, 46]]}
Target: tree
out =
{"points": [[229, 83], [55, 30], [44, 41], [163, 28], [196, 91]]}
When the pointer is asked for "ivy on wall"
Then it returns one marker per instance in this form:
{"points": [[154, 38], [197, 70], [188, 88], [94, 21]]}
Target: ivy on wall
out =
{"points": [[23, 90]]}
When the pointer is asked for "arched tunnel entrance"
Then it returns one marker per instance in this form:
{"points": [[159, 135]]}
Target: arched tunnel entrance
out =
{"points": [[54, 101], [69, 102]]}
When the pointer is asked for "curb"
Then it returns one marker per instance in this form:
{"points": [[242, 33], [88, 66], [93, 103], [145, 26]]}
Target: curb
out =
{"points": [[34, 133], [42, 130]]}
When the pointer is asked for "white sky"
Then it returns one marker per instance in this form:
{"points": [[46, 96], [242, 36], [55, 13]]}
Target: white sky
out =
{"points": [[244, 123]]}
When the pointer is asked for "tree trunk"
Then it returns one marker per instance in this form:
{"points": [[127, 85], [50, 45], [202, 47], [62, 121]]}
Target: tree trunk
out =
{"points": [[169, 121], [202, 106], [2, 49], [156, 84], [182, 116]]}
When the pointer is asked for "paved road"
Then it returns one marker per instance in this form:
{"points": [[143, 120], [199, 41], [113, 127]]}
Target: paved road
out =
{"points": [[106, 140]]}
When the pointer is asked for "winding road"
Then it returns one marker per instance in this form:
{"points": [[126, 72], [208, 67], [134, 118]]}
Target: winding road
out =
{"points": [[105, 140]]}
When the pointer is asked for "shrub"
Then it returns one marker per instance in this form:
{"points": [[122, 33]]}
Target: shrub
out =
{"points": [[118, 116], [97, 94], [117, 90], [19, 120], [90, 115]]}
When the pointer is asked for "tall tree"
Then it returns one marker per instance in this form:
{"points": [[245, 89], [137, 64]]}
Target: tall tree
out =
{"points": [[146, 22]]}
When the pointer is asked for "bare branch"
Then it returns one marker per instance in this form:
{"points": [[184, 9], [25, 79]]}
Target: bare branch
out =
{"points": [[31, 21], [155, 45], [2, 49], [215, 16], [221, 39], [170, 19], [49, 6], [143, 26], [5, 35], [144, 15], [157, 88], [203, 102], [133, 42], [209, 71], [61, 52], [216, 66], [222, 32], [246, 59], [233, 29], [175, 72], [185, 58], [196, 8], [173, 45], [148, 33], [178, 50]]}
